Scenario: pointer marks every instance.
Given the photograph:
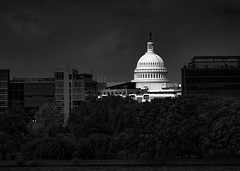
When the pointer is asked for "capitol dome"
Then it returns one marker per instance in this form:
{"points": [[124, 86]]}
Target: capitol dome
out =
{"points": [[150, 72], [150, 59]]}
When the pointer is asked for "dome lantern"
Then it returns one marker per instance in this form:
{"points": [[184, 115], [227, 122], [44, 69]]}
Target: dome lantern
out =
{"points": [[150, 43]]}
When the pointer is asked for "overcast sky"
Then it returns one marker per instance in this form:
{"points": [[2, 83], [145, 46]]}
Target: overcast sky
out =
{"points": [[110, 36]]}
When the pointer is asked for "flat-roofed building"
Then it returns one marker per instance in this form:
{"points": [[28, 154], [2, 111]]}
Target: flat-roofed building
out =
{"points": [[4, 88], [71, 88], [32, 93], [212, 75]]}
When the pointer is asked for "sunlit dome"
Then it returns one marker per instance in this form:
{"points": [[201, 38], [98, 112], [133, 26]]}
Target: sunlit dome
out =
{"points": [[150, 60], [150, 71]]}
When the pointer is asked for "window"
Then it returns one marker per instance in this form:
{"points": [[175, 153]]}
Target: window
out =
{"points": [[59, 83], [4, 74], [59, 75], [146, 97]]}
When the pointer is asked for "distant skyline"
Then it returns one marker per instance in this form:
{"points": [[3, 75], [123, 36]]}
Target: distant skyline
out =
{"points": [[109, 36]]}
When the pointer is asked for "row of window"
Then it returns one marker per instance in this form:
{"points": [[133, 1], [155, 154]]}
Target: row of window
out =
{"points": [[75, 84], [114, 93], [4, 91], [148, 63], [215, 93], [3, 84], [4, 75], [153, 75], [3, 103], [224, 80], [59, 75], [3, 97], [211, 72], [212, 86], [216, 59]]}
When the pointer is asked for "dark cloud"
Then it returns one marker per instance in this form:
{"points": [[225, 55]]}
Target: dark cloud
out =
{"points": [[110, 36], [229, 10]]}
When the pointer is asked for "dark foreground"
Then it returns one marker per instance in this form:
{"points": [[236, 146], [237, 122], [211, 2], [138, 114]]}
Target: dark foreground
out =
{"points": [[125, 168], [122, 165]]}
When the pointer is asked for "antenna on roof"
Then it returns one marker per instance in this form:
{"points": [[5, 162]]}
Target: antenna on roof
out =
{"points": [[150, 36]]}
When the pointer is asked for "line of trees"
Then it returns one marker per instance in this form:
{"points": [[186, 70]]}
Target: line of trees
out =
{"points": [[121, 128]]}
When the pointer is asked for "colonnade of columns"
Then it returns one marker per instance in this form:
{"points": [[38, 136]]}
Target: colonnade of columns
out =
{"points": [[149, 75]]}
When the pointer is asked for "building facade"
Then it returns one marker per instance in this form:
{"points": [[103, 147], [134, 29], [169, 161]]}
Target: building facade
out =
{"points": [[150, 72], [67, 89], [212, 75], [71, 88], [31, 93], [122, 89], [4, 88]]}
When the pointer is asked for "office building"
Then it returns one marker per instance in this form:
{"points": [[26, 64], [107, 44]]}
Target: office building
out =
{"points": [[212, 75], [4, 88], [67, 89], [32, 93], [71, 88]]}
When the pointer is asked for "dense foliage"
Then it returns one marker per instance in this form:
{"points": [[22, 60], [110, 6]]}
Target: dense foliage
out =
{"points": [[117, 128]]}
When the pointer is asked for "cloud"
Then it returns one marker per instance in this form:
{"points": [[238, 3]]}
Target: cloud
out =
{"points": [[27, 27]]}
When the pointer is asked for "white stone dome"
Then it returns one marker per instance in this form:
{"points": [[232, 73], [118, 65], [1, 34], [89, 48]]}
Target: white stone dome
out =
{"points": [[150, 71], [150, 60]]}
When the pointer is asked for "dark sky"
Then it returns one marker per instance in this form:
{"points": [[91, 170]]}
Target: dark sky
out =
{"points": [[110, 36]]}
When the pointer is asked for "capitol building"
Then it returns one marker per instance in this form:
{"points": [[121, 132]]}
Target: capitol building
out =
{"points": [[150, 73], [150, 80]]}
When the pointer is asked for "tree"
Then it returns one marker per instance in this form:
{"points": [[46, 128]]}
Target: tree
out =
{"points": [[48, 116], [58, 147], [6, 144], [13, 126]]}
